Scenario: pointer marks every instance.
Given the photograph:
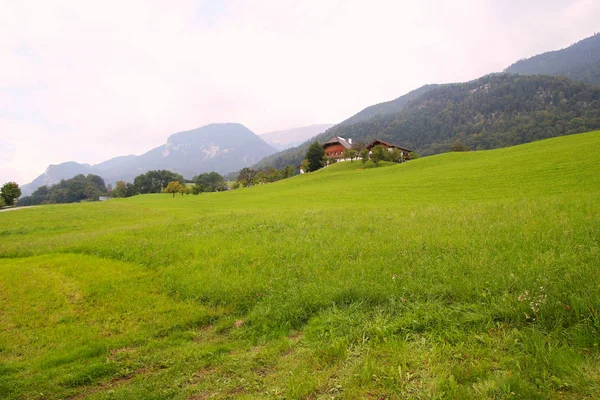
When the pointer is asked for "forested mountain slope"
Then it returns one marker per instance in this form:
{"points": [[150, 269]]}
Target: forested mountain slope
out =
{"points": [[580, 62], [494, 111], [388, 107]]}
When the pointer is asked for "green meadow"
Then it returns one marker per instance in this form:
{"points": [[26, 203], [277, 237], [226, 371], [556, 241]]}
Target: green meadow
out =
{"points": [[458, 276]]}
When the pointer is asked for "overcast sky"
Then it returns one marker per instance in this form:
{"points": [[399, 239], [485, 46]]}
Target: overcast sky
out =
{"points": [[90, 80]]}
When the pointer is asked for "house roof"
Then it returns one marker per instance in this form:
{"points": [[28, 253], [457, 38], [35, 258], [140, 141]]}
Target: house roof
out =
{"points": [[338, 140], [377, 141]]}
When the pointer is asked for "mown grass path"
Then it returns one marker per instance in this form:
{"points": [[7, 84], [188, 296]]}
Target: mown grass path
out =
{"points": [[464, 275]]}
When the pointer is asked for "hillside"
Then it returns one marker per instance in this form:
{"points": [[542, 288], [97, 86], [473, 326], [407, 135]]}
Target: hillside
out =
{"points": [[579, 62], [287, 138], [462, 275], [388, 107], [221, 148], [494, 111]]}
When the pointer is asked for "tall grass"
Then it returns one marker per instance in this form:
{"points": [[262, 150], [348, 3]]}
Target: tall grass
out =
{"points": [[465, 275]]}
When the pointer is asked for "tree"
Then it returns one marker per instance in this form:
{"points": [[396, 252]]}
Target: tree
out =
{"points": [[209, 182], [10, 192], [247, 177], [156, 181], [97, 182], [175, 187], [130, 190], [350, 153], [305, 165], [289, 171], [396, 155], [459, 146], [197, 188], [120, 189], [91, 192], [364, 155], [315, 155], [267, 175], [285, 172], [329, 161], [378, 154]]}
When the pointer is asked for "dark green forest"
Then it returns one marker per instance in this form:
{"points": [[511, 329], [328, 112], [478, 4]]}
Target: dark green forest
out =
{"points": [[73, 190], [155, 181], [91, 187], [388, 107], [497, 110]]}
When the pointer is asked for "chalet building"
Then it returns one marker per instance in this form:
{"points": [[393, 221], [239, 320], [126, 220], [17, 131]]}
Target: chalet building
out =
{"points": [[335, 147], [389, 146]]}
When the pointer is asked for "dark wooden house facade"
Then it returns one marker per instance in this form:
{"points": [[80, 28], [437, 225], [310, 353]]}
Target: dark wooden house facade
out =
{"points": [[335, 147], [389, 146]]}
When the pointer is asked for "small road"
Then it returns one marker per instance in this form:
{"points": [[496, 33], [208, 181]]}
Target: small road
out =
{"points": [[16, 208]]}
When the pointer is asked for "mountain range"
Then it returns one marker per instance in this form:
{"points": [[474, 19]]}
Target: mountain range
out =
{"points": [[221, 148]]}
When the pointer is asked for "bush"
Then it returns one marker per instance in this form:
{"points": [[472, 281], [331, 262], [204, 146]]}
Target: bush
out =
{"points": [[378, 153], [364, 155]]}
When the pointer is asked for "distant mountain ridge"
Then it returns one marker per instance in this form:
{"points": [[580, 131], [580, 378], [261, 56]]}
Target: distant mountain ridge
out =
{"points": [[580, 62], [284, 139], [221, 148]]}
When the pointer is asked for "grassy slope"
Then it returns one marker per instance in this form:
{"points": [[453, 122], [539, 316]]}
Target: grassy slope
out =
{"points": [[465, 275]]}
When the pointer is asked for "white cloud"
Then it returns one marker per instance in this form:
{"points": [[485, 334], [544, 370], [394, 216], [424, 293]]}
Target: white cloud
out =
{"points": [[111, 78]]}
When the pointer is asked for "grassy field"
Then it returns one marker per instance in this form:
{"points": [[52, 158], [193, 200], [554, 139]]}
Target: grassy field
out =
{"points": [[464, 275]]}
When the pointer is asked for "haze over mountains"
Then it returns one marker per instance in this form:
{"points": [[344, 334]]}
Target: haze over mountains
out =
{"points": [[217, 147], [287, 138]]}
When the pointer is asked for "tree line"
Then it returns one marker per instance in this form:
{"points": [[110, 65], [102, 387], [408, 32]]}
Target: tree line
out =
{"points": [[250, 176], [92, 187], [78, 188]]}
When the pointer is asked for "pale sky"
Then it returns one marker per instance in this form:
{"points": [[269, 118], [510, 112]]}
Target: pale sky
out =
{"points": [[85, 81]]}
